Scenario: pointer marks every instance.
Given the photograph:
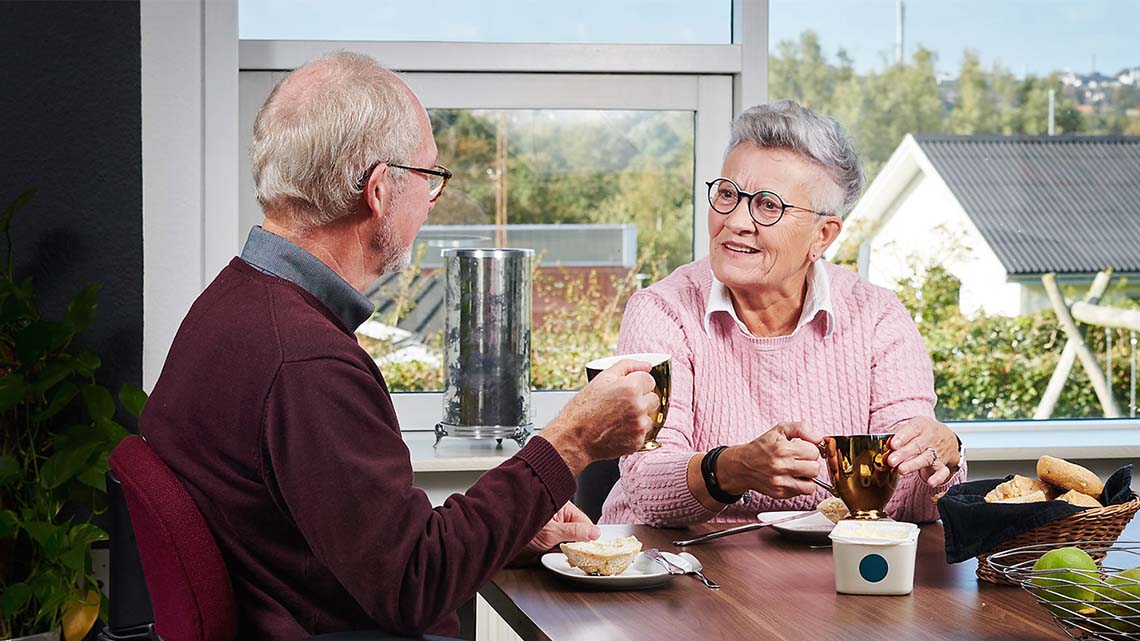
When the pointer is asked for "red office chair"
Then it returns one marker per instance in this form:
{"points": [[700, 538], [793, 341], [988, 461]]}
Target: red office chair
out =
{"points": [[187, 579], [189, 584]]}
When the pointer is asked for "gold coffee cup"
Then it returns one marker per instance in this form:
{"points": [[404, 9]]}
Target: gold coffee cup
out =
{"points": [[859, 473], [659, 370]]}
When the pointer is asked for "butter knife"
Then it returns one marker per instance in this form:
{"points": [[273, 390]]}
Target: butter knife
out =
{"points": [[740, 528]]}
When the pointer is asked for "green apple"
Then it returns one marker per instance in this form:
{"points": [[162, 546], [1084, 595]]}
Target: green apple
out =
{"points": [[1121, 599], [1064, 577]]}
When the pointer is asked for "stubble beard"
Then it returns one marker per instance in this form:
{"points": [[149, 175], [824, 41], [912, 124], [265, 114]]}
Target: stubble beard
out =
{"points": [[393, 257], [399, 263]]}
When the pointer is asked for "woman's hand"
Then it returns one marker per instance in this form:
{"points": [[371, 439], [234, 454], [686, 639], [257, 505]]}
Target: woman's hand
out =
{"points": [[926, 446], [779, 463]]}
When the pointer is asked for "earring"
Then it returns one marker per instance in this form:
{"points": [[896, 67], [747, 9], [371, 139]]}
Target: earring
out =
{"points": [[814, 256]]}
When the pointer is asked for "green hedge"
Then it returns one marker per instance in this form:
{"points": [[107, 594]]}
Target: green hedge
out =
{"points": [[985, 367], [997, 367]]}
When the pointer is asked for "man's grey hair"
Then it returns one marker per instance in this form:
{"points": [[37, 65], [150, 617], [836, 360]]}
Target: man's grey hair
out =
{"points": [[789, 125], [321, 129]]}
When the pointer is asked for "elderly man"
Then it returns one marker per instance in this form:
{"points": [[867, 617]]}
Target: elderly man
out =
{"points": [[282, 428]]}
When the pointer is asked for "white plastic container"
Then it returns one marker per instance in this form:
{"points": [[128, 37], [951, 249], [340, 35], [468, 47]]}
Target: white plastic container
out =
{"points": [[874, 557]]}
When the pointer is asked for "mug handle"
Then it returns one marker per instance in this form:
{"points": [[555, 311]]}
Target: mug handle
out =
{"points": [[822, 447]]}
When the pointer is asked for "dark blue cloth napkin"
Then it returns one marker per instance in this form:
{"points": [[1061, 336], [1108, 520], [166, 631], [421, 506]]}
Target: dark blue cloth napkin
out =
{"points": [[974, 527]]}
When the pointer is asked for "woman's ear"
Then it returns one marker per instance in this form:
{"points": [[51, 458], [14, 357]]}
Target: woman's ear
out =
{"points": [[827, 232]]}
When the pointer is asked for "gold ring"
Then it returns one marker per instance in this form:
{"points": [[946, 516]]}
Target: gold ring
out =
{"points": [[933, 455]]}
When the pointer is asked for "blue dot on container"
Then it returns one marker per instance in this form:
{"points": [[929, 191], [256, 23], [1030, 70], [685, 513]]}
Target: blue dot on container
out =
{"points": [[873, 568]]}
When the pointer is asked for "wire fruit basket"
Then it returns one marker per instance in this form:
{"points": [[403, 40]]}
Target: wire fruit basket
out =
{"points": [[1085, 604], [1094, 524]]}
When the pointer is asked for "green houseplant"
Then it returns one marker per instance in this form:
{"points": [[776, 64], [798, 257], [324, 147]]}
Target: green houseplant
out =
{"points": [[57, 428]]}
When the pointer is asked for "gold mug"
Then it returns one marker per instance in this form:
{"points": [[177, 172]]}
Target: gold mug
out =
{"points": [[859, 473], [659, 370]]}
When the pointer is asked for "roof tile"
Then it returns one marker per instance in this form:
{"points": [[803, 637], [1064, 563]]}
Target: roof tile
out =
{"points": [[1067, 204]]}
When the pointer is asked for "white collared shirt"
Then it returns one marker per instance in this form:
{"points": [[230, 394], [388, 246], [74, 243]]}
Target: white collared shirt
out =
{"points": [[816, 300]]}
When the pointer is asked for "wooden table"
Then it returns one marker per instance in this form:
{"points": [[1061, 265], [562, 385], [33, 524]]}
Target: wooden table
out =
{"points": [[771, 589]]}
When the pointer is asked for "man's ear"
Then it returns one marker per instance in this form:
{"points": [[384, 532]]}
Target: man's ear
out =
{"points": [[377, 192]]}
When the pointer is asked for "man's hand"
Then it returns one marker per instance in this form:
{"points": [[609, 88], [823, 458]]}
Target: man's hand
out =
{"points": [[779, 463], [568, 524], [609, 417]]}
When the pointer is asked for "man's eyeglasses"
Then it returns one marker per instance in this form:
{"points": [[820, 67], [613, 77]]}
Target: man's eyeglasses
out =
{"points": [[765, 207], [437, 177]]}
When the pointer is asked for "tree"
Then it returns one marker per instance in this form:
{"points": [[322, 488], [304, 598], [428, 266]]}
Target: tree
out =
{"points": [[801, 71], [974, 110], [1032, 115]]}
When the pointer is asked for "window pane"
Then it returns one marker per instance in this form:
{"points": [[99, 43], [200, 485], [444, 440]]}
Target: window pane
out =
{"points": [[603, 197], [586, 21], [969, 200]]}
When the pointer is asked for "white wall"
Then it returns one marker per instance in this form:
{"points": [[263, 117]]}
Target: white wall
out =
{"points": [[190, 171], [927, 227]]}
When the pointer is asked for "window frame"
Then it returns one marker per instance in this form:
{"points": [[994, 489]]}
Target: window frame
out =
{"points": [[191, 56], [707, 95]]}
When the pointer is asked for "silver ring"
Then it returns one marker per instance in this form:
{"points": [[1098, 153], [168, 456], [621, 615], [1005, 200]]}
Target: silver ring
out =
{"points": [[933, 455]]}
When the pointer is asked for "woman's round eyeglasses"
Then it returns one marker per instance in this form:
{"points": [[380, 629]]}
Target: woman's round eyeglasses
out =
{"points": [[765, 207]]}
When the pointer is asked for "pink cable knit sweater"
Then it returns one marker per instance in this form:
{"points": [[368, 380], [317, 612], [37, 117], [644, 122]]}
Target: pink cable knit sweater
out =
{"points": [[869, 374]]}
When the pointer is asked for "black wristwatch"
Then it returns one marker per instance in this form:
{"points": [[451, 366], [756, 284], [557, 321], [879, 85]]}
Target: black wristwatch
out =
{"points": [[708, 473]]}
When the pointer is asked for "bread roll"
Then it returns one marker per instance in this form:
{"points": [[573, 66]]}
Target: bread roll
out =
{"points": [[834, 509], [1033, 497], [602, 558], [1069, 476], [1019, 486], [1081, 500]]}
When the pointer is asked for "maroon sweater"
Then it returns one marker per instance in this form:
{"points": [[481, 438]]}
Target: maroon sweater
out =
{"points": [[282, 430]]}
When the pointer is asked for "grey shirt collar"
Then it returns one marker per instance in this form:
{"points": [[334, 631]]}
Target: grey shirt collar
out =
{"points": [[272, 254]]}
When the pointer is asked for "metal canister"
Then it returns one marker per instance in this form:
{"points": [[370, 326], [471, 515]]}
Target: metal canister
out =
{"points": [[487, 300]]}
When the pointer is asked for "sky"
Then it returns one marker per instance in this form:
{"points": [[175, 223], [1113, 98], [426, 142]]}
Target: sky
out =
{"points": [[1025, 36]]}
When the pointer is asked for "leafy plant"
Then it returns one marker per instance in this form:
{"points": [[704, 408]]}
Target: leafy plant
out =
{"points": [[57, 428]]}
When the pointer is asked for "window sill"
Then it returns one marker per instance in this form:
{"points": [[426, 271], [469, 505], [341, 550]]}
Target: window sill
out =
{"points": [[456, 454], [984, 440], [1069, 439]]}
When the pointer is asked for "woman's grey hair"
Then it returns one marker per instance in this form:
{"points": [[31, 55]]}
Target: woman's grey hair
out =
{"points": [[321, 129], [789, 125]]}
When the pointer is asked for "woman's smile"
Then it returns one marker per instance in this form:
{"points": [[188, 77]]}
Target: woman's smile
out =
{"points": [[739, 248]]}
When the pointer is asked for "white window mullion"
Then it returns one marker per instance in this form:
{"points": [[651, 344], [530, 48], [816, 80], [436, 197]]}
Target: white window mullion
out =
{"points": [[713, 114], [708, 95]]}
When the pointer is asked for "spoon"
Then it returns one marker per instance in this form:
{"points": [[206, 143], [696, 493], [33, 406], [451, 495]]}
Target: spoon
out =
{"points": [[696, 566], [740, 528], [826, 486]]}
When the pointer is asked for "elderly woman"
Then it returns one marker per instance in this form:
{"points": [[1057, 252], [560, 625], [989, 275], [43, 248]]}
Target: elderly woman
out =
{"points": [[774, 348]]}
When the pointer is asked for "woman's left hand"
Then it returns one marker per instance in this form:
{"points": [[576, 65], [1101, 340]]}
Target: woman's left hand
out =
{"points": [[926, 446]]}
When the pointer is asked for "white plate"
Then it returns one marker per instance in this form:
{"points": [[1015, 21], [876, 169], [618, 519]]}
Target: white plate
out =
{"points": [[644, 572], [811, 529]]}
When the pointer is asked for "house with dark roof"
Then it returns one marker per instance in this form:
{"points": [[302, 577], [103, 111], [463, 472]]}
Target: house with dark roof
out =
{"points": [[1000, 211]]}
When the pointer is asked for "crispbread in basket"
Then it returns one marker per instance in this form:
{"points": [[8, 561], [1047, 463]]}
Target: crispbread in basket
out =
{"points": [[1094, 524]]}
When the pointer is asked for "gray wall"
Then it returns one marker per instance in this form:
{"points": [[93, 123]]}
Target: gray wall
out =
{"points": [[71, 126]]}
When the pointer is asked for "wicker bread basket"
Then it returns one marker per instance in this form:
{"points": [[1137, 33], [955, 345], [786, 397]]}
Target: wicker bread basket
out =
{"points": [[1094, 524]]}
